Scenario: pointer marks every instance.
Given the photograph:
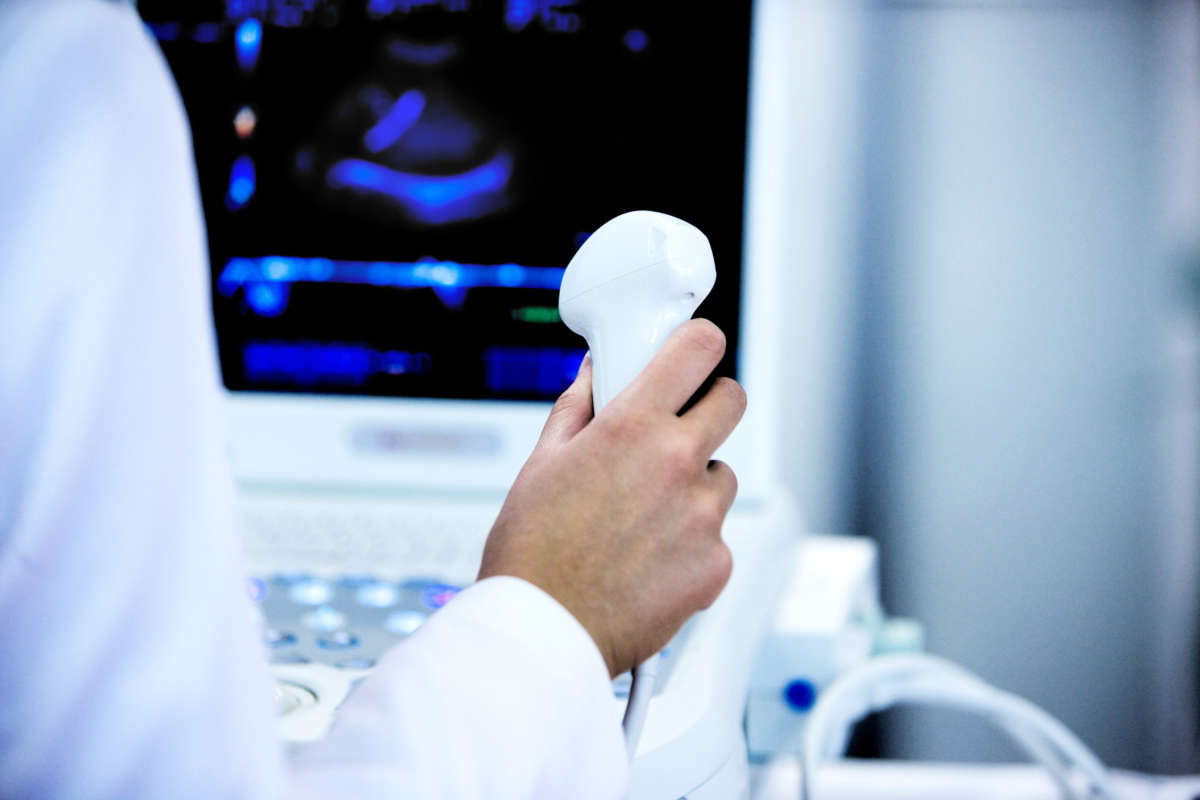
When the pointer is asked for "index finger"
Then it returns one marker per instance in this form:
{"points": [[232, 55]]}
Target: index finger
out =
{"points": [[685, 361]]}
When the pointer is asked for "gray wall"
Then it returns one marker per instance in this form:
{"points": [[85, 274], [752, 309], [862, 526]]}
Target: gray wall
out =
{"points": [[1001, 368]]}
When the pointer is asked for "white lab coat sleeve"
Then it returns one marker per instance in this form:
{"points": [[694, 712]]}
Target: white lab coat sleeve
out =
{"points": [[500, 694], [130, 664]]}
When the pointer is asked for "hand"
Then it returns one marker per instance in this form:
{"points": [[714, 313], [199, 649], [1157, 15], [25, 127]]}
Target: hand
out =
{"points": [[619, 517]]}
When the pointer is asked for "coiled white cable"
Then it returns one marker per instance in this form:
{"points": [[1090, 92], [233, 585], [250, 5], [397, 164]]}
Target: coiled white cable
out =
{"points": [[640, 692], [918, 678]]}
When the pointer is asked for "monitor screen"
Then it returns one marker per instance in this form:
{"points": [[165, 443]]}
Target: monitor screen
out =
{"points": [[392, 188]]}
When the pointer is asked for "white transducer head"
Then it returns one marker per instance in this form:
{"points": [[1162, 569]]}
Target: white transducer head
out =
{"points": [[633, 282]]}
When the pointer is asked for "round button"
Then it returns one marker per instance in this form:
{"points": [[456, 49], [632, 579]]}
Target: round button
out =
{"points": [[378, 595], [338, 640], [310, 592], [437, 595], [290, 696], [800, 695], [274, 637], [324, 618], [402, 623], [256, 588]]}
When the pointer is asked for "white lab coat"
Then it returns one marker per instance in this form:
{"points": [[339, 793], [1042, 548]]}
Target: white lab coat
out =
{"points": [[130, 664]]}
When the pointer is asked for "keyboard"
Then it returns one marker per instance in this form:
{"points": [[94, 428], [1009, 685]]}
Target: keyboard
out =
{"points": [[339, 581]]}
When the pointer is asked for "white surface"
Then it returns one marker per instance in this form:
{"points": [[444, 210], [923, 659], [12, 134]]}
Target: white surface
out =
{"points": [[1013, 411], [131, 665], [891, 780], [827, 619]]}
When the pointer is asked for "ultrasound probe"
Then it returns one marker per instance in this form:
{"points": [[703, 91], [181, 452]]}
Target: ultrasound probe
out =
{"points": [[633, 282]]}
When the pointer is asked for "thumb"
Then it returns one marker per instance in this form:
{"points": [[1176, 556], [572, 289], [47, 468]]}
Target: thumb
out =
{"points": [[573, 409]]}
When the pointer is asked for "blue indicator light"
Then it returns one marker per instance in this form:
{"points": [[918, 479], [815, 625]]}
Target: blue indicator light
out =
{"points": [[242, 182], [399, 118], [636, 40], [248, 43], [432, 199], [800, 695]]}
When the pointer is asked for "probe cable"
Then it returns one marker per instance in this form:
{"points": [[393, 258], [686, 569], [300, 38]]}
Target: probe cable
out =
{"points": [[890, 680], [640, 691]]}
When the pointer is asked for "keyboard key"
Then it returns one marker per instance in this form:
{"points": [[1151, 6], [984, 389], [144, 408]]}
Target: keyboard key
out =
{"points": [[274, 637], [378, 595], [438, 594], [311, 592], [325, 619], [402, 623], [338, 640]]}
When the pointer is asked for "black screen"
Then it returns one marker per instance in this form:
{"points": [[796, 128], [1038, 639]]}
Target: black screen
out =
{"points": [[393, 188]]}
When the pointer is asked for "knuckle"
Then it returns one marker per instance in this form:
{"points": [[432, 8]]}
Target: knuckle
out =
{"points": [[567, 401], [682, 453], [704, 335], [729, 481], [722, 563], [631, 424], [718, 569], [724, 483], [710, 512], [736, 393]]}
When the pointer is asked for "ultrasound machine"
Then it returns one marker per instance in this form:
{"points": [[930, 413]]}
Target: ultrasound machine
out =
{"points": [[392, 190]]}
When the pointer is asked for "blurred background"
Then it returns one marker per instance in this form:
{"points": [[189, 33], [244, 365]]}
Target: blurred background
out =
{"points": [[996, 253], [993, 351]]}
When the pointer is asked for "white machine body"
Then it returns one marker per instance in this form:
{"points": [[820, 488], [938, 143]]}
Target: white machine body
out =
{"points": [[633, 282]]}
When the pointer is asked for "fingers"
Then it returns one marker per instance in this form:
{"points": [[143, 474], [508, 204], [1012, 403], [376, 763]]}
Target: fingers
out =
{"points": [[715, 416], [573, 409], [680, 367]]}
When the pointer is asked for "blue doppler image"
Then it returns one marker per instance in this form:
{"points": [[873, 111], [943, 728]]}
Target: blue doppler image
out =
{"points": [[393, 188]]}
